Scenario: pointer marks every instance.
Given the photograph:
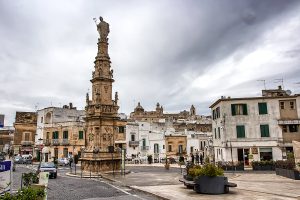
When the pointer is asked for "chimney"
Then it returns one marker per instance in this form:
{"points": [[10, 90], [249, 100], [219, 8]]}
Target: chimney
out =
{"points": [[71, 105], [279, 87]]}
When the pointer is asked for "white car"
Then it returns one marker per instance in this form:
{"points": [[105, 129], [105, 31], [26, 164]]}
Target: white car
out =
{"points": [[63, 161]]}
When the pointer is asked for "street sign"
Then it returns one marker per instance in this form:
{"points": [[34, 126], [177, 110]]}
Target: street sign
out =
{"points": [[5, 176]]}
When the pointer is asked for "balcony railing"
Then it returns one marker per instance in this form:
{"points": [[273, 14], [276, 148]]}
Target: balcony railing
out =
{"points": [[27, 143], [288, 121], [134, 143], [47, 142], [55, 141], [144, 148], [65, 142]]}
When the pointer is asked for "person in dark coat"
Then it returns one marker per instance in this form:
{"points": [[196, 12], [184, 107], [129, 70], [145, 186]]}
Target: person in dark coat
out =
{"points": [[201, 159], [197, 158], [192, 156]]}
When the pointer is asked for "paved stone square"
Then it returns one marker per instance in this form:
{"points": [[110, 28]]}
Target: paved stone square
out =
{"points": [[251, 185]]}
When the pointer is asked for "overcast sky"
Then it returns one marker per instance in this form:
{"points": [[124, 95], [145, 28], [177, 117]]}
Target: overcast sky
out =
{"points": [[174, 52]]}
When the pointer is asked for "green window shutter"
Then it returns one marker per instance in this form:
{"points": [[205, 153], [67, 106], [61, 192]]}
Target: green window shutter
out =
{"points": [[233, 112], [245, 112], [213, 114], [53, 135], [240, 131], [215, 133], [264, 130], [80, 135], [262, 108], [65, 135], [219, 132]]}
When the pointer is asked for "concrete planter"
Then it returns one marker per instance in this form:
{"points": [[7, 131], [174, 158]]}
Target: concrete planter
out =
{"points": [[288, 173], [210, 185], [263, 167]]}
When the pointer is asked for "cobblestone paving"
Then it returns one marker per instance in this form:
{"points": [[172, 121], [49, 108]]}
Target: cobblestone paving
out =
{"points": [[72, 188]]}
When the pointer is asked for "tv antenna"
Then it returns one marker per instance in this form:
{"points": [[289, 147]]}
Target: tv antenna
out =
{"points": [[264, 81], [280, 80]]}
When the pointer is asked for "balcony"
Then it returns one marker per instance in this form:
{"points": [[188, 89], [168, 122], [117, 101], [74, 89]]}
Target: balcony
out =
{"points": [[65, 142], [288, 121], [144, 148], [55, 142], [47, 142], [26, 143], [134, 143]]}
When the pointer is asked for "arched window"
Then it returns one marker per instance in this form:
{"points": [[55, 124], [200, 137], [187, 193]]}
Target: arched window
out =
{"points": [[48, 118]]}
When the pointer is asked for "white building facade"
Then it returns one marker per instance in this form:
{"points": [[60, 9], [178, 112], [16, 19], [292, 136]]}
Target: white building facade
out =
{"points": [[248, 129]]}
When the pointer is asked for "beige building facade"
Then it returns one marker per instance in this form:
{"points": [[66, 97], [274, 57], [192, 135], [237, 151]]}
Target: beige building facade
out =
{"points": [[62, 132], [25, 129]]}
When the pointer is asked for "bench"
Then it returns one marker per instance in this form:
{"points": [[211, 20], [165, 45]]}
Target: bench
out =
{"points": [[188, 184], [228, 185]]}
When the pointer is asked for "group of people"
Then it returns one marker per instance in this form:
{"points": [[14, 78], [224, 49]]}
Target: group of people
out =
{"points": [[198, 159]]}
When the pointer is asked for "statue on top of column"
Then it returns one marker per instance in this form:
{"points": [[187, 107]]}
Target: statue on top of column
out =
{"points": [[102, 28]]}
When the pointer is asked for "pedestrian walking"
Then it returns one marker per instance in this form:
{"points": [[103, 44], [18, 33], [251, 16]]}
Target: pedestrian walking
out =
{"points": [[192, 157], [197, 158]]}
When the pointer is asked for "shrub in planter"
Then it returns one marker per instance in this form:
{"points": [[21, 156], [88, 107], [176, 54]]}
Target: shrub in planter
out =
{"points": [[25, 193], [263, 165], [209, 179], [231, 166]]}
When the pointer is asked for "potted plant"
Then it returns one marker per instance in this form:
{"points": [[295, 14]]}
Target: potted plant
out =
{"points": [[209, 179]]}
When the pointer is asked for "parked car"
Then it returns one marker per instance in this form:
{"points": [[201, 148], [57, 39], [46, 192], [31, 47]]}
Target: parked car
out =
{"points": [[18, 160], [27, 159], [63, 161], [48, 167]]}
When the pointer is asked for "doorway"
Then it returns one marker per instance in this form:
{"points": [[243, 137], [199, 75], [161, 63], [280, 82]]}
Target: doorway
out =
{"points": [[246, 156]]}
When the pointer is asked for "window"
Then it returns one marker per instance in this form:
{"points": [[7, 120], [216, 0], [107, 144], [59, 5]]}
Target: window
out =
{"points": [[216, 113], [163, 146], [48, 136], [65, 135], [121, 129], [292, 105], [26, 136], [264, 130], [65, 152], [144, 142], [293, 128], [281, 105], [42, 119], [180, 148], [80, 135], [201, 147], [239, 109], [170, 148], [284, 128], [265, 154], [215, 133], [219, 132], [240, 131], [156, 148], [192, 149], [132, 137], [262, 108], [55, 135]]}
